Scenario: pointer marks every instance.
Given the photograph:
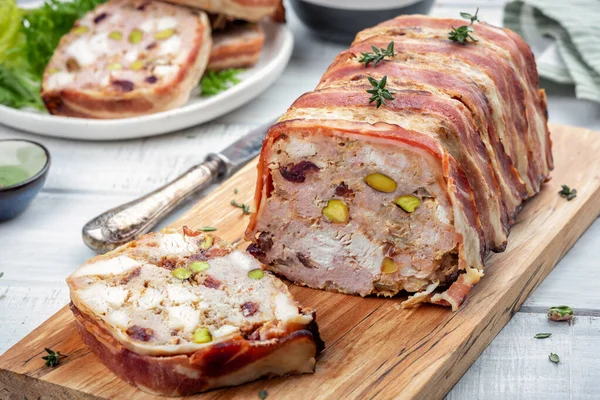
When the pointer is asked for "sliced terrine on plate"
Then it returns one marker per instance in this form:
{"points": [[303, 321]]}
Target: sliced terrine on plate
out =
{"points": [[128, 58]]}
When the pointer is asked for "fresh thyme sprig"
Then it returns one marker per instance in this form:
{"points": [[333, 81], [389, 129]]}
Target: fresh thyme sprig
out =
{"points": [[245, 207], [53, 358], [568, 192], [463, 33], [377, 56], [472, 18], [379, 94]]}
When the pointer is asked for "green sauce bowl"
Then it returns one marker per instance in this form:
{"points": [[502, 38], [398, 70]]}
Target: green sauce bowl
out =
{"points": [[23, 168]]}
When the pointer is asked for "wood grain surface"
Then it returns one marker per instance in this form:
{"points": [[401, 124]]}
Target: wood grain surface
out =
{"points": [[374, 349]]}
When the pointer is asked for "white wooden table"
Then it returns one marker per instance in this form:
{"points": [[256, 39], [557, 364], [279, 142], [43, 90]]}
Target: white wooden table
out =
{"points": [[41, 247]]}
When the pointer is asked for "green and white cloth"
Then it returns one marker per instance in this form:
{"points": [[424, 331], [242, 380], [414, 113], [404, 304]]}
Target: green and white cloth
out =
{"points": [[565, 38]]}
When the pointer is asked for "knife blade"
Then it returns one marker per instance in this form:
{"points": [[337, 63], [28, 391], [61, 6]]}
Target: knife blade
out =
{"points": [[129, 221]]}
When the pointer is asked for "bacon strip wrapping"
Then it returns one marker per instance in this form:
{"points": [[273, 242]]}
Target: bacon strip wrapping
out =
{"points": [[465, 141]]}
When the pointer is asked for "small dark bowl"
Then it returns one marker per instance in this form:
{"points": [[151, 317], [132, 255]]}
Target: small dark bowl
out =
{"points": [[341, 20], [34, 159]]}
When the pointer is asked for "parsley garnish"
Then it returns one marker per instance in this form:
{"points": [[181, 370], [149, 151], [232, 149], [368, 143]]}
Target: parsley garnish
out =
{"points": [[377, 56], [379, 94], [235, 191], [542, 335], [463, 33], [214, 82], [245, 208], [208, 229], [568, 192], [53, 358], [554, 358]]}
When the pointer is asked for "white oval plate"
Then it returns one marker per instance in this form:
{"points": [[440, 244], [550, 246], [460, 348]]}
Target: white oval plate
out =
{"points": [[274, 57]]}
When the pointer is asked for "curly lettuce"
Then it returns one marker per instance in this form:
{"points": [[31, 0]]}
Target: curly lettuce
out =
{"points": [[214, 82], [28, 39]]}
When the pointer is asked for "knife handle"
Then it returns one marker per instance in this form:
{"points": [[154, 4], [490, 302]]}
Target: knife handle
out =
{"points": [[129, 221]]}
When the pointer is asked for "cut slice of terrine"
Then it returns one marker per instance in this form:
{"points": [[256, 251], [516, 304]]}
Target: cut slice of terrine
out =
{"points": [[180, 312], [127, 58]]}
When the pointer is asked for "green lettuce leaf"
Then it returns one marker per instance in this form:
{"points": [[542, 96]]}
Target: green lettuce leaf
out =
{"points": [[216, 82]]}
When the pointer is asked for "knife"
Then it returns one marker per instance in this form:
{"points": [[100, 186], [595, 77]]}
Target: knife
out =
{"points": [[129, 221]]}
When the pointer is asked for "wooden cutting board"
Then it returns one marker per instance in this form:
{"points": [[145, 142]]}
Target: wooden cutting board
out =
{"points": [[374, 349]]}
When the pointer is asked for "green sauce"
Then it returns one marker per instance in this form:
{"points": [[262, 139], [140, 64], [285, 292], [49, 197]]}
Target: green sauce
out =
{"points": [[11, 175]]}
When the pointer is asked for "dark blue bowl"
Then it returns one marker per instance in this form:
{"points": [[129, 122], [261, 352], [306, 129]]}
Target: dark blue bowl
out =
{"points": [[27, 160], [341, 20]]}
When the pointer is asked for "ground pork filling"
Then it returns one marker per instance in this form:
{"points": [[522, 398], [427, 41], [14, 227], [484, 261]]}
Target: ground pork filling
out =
{"points": [[327, 225], [174, 293]]}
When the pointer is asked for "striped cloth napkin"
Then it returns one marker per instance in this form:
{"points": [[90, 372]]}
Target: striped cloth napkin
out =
{"points": [[565, 38]]}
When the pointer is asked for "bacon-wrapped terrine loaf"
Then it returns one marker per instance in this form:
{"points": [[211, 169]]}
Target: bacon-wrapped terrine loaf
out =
{"points": [[412, 195], [127, 58], [181, 312]]}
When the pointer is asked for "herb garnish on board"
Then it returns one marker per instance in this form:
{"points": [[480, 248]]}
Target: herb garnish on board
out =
{"points": [[245, 207], [53, 358], [463, 33], [568, 192], [542, 335], [377, 56]]}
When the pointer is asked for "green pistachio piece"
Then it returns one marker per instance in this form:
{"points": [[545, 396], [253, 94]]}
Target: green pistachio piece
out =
{"points": [[114, 66], [115, 35], [202, 335], [408, 203], [136, 36], [336, 211], [137, 65], [554, 358], [256, 274], [198, 266], [80, 29], [208, 242], [165, 34], [381, 182], [181, 273]]}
